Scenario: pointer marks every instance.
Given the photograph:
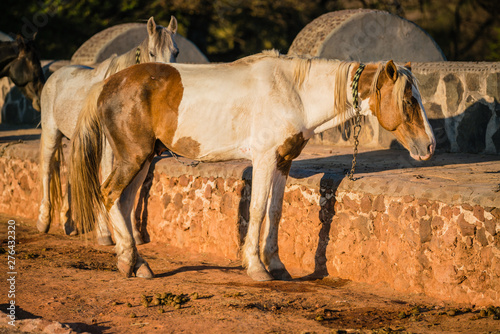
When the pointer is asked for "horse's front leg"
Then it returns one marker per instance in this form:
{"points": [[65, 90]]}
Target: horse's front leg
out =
{"points": [[270, 253], [50, 141], [261, 184]]}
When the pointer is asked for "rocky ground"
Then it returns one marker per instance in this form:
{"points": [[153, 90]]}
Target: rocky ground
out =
{"points": [[67, 285]]}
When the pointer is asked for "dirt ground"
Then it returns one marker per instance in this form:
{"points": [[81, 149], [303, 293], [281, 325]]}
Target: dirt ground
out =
{"points": [[65, 285]]}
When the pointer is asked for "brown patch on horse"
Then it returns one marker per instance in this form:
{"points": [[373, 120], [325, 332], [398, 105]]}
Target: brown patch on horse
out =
{"points": [[149, 103], [187, 147], [289, 150]]}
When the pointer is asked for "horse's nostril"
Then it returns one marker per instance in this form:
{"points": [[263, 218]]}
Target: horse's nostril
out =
{"points": [[430, 148]]}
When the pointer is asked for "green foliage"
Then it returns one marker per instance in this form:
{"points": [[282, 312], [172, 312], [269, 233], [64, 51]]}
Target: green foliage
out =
{"points": [[228, 29]]}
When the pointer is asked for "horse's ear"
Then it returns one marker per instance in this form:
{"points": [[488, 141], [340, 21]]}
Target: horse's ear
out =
{"points": [[172, 26], [20, 40], [151, 26], [391, 70], [408, 65]]}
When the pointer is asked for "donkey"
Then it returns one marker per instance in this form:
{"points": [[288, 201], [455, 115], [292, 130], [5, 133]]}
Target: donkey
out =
{"points": [[19, 60], [62, 101], [263, 108]]}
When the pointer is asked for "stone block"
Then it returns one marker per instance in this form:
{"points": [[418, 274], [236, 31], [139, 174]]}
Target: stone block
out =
{"points": [[454, 92], [428, 83], [472, 82], [493, 86], [425, 230], [466, 229], [481, 237], [378, 203]]}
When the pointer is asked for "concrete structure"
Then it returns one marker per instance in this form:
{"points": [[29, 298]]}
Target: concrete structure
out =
{"points": [[123, 37], [365, 35]]}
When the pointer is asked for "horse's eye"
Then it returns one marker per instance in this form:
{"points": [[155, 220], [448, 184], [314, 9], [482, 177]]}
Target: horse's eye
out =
{"points": [[151, 54]]}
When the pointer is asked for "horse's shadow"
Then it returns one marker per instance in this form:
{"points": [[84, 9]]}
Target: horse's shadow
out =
{"points": [[198, 268], [79, 327]]}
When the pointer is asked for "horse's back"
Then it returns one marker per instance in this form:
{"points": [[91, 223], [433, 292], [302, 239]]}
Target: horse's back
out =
{"points": [[64, 93]]}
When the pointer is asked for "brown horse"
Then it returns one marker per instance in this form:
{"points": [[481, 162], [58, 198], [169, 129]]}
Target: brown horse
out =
{"points": [[263, 108], [19, 60]]}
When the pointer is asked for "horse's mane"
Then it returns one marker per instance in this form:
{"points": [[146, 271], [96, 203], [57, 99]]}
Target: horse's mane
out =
{"points": [[301, 68], [404, 76]]}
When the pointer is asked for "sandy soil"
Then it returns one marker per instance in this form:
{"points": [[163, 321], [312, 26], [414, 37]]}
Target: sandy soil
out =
{"points": [[66, 285]]}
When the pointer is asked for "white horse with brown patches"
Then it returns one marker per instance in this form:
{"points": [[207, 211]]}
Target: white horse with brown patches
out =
{"points": [[263, 108], [63, 97]]}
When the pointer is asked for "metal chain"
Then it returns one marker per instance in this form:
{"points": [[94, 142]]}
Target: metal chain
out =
{"points": [[357, 130], [357, 124], [4, 147]]}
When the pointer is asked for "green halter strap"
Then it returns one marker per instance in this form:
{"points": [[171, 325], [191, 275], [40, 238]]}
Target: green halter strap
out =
{"points": [[137, 56], [354, 85]]}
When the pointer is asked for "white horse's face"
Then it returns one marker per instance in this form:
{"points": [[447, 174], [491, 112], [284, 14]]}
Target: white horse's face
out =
{"points": [[161, 45]]}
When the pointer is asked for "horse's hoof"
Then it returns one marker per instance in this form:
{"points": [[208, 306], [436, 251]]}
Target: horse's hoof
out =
{"points": [[260, 275], [105, 241], [69, 228], [42, 227], [125, 268], [281, 274], [144, 271]]}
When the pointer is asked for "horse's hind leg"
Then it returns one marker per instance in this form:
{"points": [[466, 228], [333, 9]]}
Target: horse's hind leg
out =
{"points": [[261, 184], [128, 198], [127, 201], [103, 234], [122, 175], [270, 254], [65, 215], [50, 141]]}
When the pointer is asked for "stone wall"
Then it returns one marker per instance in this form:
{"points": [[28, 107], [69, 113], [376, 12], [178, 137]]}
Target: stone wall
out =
{"points": [[462, 103], [415, 231]]}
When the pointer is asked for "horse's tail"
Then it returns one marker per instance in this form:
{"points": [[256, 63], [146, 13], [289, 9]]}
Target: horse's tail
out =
{"points": [[86, 151]]}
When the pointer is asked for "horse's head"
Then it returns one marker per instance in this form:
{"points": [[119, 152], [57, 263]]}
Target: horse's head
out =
{"points": [[160, 46], [26, 71], [395, 100]]}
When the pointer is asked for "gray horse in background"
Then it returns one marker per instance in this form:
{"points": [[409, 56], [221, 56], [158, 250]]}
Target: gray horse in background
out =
{"points": [[61, 102]]}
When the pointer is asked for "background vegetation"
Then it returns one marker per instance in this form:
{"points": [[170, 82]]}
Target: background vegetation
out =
{"points": [[228, 29]]}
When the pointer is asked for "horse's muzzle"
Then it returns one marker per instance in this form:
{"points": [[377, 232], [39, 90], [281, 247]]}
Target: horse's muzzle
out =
{"points": [[36, 104], [429, 152]]}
